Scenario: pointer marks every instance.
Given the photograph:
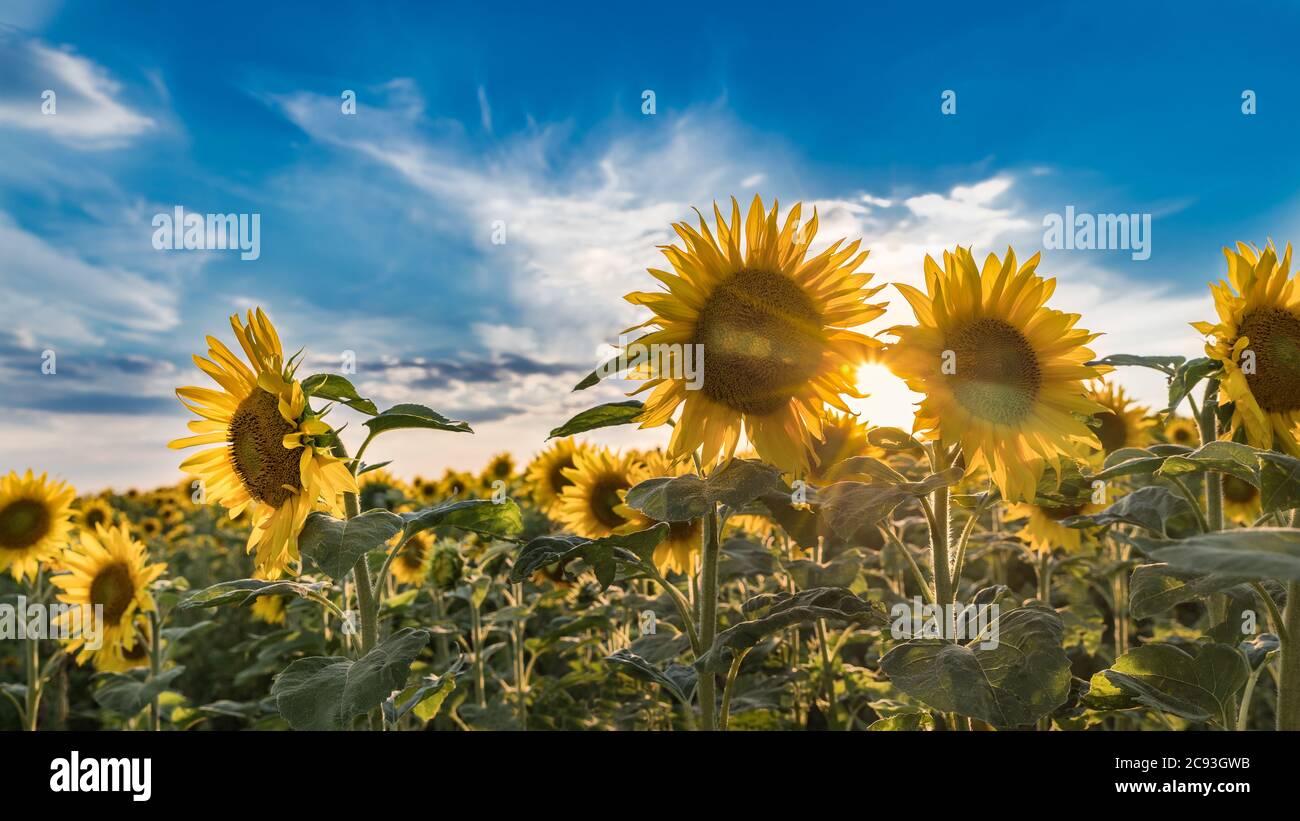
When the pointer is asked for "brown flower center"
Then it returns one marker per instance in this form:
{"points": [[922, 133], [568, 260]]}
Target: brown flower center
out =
{"points": [[112, 587], [1239, 490], [1111, 430], [23, 523], [1060, 512], [763, 341], [604, 498], [268, 470], [996, 373], [1274, 337]]}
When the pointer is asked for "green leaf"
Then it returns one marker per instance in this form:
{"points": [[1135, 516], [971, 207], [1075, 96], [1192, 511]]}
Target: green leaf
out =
{"points": [[904, 722], [1252, 554], [1155, 588], [677, 679], [849, 506], [1154, 508], [1024, 676], [327, 692], [841, 571], [1128, 462], [1197, 685], [604, 554], [783, 610], [1164, 364], [683, 498], [402, 417], [601, 416], [1279, 485], [1185, 379], [1232, 458], [335, 545], [1260, 649], [128, 693], [596, 375], [893, 439], [482, 516], [336, 388], [245, 591]]}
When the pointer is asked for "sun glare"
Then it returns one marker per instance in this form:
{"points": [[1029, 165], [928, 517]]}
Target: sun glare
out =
{"points": [[889, 403]]}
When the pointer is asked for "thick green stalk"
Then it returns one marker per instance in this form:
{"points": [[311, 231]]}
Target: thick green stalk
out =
{"points": [[1288, 696], [155, 668], [724, 716], [1209, 427], [33, 682], [709, 612]]}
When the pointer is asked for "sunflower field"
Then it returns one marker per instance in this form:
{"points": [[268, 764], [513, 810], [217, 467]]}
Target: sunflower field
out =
{"points": [[1039, 552]]}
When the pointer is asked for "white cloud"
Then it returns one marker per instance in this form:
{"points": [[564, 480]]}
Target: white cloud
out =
{"points": [[88, 112]]}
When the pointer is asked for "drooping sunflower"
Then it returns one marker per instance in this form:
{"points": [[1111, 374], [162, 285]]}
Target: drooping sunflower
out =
{"points": [[92, 512], [676, 552], [843, 437], [1002, 373], [35, 517], [1180, 430], [273, 453], [1123, 423], [1257, 341], [118, 658], [1241, 500], [269, 609], [773, 328], [411, 565], [1043, 529], [110, 569], [545, 474], [590, 505]]}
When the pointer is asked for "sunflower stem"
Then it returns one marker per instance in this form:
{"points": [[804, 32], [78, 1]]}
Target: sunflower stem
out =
{"points": [[939, 535], [724, 715], [709, 612], [1288, 695], [33, 708], [155, 667]]}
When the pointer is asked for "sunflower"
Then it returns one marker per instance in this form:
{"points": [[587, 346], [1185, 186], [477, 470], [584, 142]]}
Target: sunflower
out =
{"points": [[107, 568], [1257, 341], [93, 512], [772, 327], [676, 552], [1122, 424], [380, 489], [273, 452], [269, 609], [426, 490], [1002, 374], [34, 522], [118, 658], [1044, 530], [411, 565], [1180, 430], [149, 528], [589, 506], [545, 474], [1240, 500], [843, 437]]}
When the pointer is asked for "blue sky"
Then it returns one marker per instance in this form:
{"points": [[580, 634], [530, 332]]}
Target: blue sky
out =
{"points": [[376, 228]]}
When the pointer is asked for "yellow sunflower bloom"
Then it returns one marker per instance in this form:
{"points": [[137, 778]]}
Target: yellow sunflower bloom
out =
{"points": [[110, 569], [93, 512], [1043, 529], [773, 326], [1241, 500], [545, 474], [1002, 373], [1123, 424], [676, 553], [500, 469], [117, 658], [272, 455], [35, 517], [380, 489], [589, 507], [843, 437], [269, 609], [1257, 340], [411, 565], [1180, 430]]}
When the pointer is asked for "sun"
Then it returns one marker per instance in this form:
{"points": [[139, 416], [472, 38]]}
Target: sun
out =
{"points": [[888, 402]]}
